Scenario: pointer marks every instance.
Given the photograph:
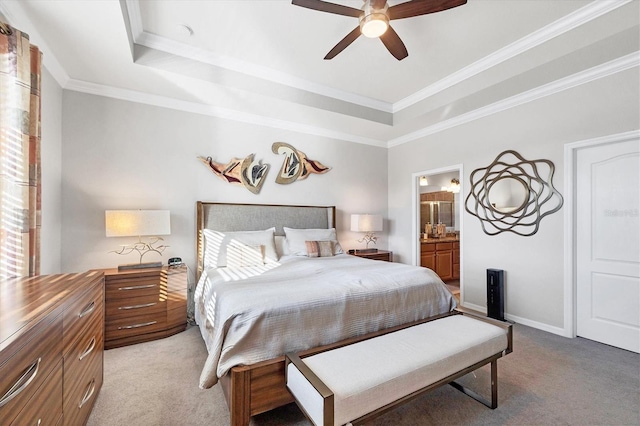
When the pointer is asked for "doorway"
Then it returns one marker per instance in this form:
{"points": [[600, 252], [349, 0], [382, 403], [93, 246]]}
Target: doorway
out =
{"points": [[437, 224], [605, 242]]}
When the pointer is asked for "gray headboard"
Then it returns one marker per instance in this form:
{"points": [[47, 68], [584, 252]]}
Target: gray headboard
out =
{"points": [[256, 217]]}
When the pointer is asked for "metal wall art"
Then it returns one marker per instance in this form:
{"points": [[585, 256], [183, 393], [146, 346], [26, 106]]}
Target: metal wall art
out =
{"points": [[296, 165], [242, 171], [513, 194]]}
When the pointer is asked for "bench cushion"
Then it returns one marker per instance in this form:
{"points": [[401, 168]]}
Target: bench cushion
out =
{"points": [[373, 373]]}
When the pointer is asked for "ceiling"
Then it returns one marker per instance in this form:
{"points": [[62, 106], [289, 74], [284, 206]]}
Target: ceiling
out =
{"points": [[262, 61]]}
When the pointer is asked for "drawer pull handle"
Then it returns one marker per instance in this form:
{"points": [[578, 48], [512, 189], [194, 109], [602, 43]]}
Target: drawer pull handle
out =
{"points": [[88, 393], [90, 348], [144, 324], [24, 380], [136, 287], [39, 422], [146, 305], [87, 309]]}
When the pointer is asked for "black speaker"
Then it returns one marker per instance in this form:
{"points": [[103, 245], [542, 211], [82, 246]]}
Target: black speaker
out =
{"points": [[495, 294]]}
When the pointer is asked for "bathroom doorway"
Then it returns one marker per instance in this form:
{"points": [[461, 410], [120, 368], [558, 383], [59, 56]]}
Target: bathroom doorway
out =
{"points": [[437, 224]]}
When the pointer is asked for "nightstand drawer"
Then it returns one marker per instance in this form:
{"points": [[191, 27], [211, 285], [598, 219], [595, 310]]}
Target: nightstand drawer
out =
{"points": [[118, 328], [135, 306], [132, 287]]}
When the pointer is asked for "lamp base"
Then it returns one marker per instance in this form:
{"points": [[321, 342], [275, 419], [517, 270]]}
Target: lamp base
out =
{"points": [[369, 250], [131, 266]]}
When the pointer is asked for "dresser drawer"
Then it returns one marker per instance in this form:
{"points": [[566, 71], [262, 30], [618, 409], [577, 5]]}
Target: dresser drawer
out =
{"points": [[132, 287], [82, 312], [79, 401], [83, 355], [134, 325], [27, 370], [135, 306], [45, 407]]}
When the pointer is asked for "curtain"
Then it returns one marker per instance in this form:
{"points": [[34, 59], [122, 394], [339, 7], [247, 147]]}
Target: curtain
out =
{"points": [[20, 186]]}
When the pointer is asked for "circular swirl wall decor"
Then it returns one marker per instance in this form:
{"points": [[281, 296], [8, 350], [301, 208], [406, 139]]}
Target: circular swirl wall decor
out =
{"points": [[511, 195]]}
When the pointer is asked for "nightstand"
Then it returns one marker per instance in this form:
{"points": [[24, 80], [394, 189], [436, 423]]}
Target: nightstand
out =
{"points": [[385, 255], [144, 304]]}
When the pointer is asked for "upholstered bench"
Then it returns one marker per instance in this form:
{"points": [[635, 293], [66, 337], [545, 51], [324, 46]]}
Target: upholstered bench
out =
{"points": [[356, 382]]}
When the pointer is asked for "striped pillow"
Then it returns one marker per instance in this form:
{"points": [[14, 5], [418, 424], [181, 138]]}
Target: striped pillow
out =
{"points": [[319, 248]]}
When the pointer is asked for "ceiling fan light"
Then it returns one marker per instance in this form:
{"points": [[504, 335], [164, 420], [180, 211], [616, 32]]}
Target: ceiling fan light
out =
{"points": [[374, 25]]}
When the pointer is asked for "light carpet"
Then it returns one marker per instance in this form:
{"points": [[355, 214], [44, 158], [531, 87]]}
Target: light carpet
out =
{"points": [[547, 380]]}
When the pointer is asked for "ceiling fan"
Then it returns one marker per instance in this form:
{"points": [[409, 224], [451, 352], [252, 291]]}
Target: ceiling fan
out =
{"points": [[374, 17]]}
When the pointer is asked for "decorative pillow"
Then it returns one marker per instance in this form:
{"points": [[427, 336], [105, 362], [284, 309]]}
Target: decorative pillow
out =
{"points": [[281, 245], [296, 239], [217, 247], [319, 248]]}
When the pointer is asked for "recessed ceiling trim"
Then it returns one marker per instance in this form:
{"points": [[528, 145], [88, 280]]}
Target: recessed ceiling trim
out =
{"points": [[601, 71], [544, 34], [179, 49], [135, 17], [215, 111]]}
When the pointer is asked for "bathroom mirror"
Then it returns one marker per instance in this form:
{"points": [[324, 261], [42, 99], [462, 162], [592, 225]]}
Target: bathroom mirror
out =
{"points": [[513, 194], [508, 194]]}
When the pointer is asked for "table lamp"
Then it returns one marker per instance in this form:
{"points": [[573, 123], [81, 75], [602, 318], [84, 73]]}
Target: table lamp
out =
{"points": [[369, 224]]}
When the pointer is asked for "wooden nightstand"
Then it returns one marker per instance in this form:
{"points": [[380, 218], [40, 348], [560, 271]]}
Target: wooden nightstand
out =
{"points": [[385, 255], [144, 304]]}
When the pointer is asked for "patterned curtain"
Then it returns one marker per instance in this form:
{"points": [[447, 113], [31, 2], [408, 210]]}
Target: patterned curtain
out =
{"points": [[20, 203]]}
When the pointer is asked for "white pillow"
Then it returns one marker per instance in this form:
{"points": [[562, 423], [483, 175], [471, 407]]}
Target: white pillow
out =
{"points": [[296, 239], [218, 245]]}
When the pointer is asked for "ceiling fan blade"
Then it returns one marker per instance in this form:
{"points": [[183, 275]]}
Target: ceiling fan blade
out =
{"points": [[421, 7], [342, 44], [392, 41], [324, 6]]}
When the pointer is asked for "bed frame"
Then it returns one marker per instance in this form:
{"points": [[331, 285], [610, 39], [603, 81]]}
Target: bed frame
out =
{"points": [[257, 388]]}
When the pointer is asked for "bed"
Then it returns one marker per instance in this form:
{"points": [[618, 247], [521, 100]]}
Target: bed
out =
{"points": [[251, 314]]}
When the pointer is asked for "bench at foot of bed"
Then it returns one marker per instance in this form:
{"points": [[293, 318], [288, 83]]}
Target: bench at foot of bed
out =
{"points": [[354, 383]]}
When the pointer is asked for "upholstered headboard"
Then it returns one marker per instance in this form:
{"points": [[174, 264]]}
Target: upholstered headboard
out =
{"points": [[255, 217]]}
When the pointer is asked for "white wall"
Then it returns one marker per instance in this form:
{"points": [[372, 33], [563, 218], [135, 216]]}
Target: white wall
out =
{"points": [[124, 155], [51, 151], [537, 130]]}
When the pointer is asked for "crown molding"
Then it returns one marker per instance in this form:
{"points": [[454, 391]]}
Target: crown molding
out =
{"points": [[565, 24], [600, 71], [179, 49], [215, 111]]}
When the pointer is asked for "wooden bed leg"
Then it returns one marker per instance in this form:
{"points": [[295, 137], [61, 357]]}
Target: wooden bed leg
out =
{"points": [[240, 398]]}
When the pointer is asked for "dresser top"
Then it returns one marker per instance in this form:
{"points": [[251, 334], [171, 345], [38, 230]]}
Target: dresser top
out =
{"points": [[25, 301]]}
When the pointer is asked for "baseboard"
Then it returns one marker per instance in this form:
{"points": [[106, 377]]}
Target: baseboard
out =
{"points": [[524, 321]]}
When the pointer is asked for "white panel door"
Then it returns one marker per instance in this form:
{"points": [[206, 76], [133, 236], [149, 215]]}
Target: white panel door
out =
{"points": [[608, 244]]}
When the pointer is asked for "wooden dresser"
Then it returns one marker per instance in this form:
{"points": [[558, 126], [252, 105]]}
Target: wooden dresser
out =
{"points": [[144, 304], [51, 348]]}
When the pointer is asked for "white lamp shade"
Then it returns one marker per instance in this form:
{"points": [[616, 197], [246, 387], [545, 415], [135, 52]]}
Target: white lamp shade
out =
{"points": [[366, 222], [137, 223]]}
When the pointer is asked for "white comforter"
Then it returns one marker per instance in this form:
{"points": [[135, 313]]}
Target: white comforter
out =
{"points": [[307, 302]]}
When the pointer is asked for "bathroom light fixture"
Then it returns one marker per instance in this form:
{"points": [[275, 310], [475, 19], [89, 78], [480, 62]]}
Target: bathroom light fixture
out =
{"points": [[423, 181], [370, 224], [138, 223], [455, 186]]}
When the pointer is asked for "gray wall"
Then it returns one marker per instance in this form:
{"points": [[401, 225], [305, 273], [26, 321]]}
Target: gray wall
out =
{"points": [[124, 155], [537, 130], [51, 151]]}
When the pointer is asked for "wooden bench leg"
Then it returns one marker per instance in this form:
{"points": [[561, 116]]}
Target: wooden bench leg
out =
{"points": [[494, 388]]}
